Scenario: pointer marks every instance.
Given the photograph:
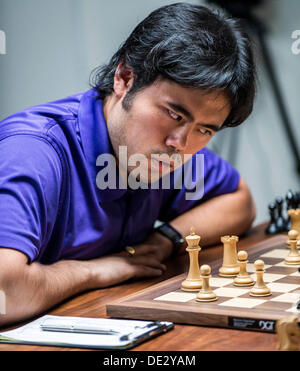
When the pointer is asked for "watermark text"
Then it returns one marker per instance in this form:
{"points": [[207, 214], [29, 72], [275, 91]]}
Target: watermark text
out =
{"points": [[2, 42], [296, 43], [2, 303], [153, 171]]}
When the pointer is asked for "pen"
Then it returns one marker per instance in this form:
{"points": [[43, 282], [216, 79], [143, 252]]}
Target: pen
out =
{"points": [[91, 329], [80, 329]]}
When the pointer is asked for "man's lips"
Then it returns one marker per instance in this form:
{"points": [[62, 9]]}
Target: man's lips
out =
{"points": [[163, 164]]}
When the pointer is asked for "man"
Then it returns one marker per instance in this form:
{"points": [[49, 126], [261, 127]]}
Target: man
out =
{"points": [[181, 76]]}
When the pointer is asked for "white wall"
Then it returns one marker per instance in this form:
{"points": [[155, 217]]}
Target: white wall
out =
{"points": [[52, 46]]}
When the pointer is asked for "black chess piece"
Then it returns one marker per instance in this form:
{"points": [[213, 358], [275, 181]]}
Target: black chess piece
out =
{"points": [[280, 221], [297, 200], [272, 227], [290, 200]]}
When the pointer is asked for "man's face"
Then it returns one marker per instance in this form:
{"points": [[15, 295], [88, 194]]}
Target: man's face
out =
{"points": [[165, 118]]}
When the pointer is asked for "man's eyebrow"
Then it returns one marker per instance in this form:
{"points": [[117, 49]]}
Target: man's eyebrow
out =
{"points": [[180, 109], [213, 127]]}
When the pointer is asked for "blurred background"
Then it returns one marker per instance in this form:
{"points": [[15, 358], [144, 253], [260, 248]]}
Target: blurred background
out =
{"points": [[51, 47]]}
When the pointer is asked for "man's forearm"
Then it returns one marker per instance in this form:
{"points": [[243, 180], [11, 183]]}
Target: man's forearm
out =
{"points": [[232, 213], [39, 287], [31, 289]]}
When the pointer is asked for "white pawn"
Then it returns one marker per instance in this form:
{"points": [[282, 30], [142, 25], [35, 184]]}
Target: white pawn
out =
{"points": [[294, 256], [206, 293], [243, 278], [260, 288]]}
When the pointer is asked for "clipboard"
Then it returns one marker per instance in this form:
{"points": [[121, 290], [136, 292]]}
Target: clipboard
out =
{"points": [[81, 332]]}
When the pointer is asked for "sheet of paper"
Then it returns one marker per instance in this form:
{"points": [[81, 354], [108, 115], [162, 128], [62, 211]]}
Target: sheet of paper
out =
{"points": [[32, 333]]}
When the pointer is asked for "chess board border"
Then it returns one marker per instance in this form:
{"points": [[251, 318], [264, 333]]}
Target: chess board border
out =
{"points": [[141, 305]]}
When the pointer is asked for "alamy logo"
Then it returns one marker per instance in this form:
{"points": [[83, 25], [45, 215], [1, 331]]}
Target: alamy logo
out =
{"points": [[2, 42], [2, 303], [139, 171], [296, 43]]}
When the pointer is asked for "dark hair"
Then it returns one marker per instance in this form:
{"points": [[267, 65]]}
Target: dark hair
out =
{"points": [[192, 46]]}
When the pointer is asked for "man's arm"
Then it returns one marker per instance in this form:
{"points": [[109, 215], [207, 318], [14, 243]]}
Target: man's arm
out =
{"points": [[228, 214], [31, 289]]}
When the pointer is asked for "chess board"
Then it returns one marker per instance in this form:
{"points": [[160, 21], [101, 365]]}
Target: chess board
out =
{"points": [[235, 308]]}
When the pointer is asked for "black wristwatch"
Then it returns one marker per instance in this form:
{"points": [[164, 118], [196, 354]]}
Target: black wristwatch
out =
{"points": [[171, 233]]}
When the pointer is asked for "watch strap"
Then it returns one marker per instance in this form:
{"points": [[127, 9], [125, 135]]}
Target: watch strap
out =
{"points": [[172, 234]]}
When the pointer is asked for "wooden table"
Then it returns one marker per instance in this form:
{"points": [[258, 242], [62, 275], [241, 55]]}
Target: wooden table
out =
{"points": [[182, 337]]}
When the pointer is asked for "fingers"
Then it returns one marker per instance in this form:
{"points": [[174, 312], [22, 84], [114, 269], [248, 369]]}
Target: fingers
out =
{"points": [[148, 261], [142, 263], [148, 250], [144, 249], [145, 266], [144, 271], [145, 260], [149, 267], [160, 251]]}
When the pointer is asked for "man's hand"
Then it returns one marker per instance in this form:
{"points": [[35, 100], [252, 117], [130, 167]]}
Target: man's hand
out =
{"points": [[156, 244], [146, 262]]}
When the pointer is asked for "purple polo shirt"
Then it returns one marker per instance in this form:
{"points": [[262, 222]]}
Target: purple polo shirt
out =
{"points": [[50, 205]]}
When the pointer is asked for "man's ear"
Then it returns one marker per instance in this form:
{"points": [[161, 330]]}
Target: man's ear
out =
{"points": [[123, 80]]}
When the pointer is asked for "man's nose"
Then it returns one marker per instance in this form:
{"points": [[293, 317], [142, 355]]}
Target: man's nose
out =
{"points": [[178, 139]]}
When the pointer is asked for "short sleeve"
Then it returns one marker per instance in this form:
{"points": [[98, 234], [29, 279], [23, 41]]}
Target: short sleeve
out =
{"points": [[30, 185], [203, 177]]}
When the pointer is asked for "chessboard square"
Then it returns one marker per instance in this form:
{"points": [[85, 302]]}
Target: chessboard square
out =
{"points": [[282, 287], [293, 309], [276, 253], [182, 297], [297, 274], [290, 280], [271, 305], [270, 277], [251, 268], [282, 269], [289, 297], [283, 264], [220, 282], [230, 292], [243, 302]]}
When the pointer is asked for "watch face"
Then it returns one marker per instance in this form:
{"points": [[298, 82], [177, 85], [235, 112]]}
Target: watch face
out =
{"points": [[158, 224]]}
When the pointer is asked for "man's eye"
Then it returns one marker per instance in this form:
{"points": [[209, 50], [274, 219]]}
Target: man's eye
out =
{"points": [[174, 115], [205, 131]]}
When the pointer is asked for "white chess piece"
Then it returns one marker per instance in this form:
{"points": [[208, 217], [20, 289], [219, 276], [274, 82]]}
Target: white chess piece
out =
{"points": [[193, 282], [243, 278], [260, 288], [294, 255], [206, 293]]}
